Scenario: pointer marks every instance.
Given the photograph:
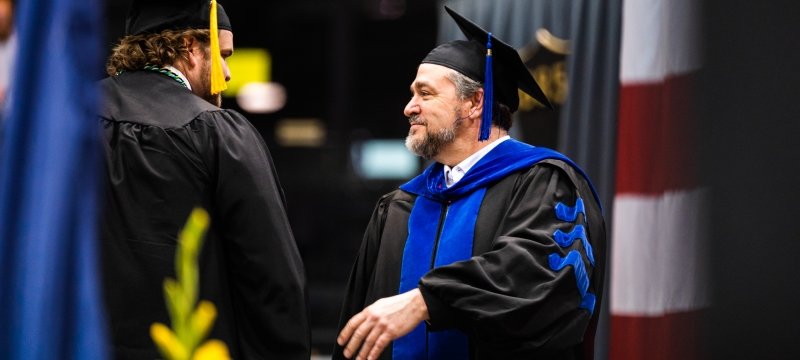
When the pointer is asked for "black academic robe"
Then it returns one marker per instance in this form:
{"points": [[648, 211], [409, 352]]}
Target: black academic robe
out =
{"points": [[166, 152], [505, 298]]}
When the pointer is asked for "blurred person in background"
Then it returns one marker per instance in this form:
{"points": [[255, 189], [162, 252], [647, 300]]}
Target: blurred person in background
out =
{"points": [[497, 250], [8, 47], [169, 147]]}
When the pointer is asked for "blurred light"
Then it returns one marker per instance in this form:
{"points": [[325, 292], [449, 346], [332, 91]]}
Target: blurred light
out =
{"points": [[392, 9], [383, 159], [261, 97], [385, 9], [247, 65], [300, 132]]}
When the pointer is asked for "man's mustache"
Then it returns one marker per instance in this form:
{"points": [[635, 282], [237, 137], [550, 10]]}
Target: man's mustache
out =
{"points": [[415, 120]]}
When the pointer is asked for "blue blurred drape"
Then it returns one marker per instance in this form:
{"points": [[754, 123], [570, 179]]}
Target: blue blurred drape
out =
{"points": [[50, 304]]}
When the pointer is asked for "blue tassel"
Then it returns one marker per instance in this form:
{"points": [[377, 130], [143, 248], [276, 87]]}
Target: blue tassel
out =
{"points": [[488, 94]]}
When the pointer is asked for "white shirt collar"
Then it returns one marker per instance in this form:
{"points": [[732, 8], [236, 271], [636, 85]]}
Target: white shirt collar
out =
{"points": [[180, 74], [456, 173]]}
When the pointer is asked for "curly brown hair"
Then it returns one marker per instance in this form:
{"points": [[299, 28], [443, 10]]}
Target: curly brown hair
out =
{"points": [[135, 51]]}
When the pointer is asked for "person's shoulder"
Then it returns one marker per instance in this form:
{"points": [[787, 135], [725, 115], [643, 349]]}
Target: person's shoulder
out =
{"points": [[552, 166], [150, 99], [395, 196], [546, 159], [565, 171], [220, 113], [153, 100], [223, 118], [396, 199], [560, 164]]}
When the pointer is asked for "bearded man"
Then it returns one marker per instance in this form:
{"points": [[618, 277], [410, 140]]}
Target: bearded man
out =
{"points": [[497, 250], [170, 148]]}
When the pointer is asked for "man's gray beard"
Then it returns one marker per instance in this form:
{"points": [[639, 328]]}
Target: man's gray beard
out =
{"points": [[433, 142]]}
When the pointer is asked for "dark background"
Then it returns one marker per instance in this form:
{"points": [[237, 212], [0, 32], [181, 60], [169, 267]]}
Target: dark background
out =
{"points": [[751, 107]]}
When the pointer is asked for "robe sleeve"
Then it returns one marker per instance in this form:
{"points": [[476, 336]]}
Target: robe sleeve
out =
{"points": [[266, 274], [511, 295], [363, 269]]}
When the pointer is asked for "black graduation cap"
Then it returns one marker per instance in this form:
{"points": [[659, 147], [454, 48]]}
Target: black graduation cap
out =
{"points": [[484, 58], [153, 16]]}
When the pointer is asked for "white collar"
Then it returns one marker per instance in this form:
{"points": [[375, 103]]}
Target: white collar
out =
{"points": [[180, 74], [456, 173]]}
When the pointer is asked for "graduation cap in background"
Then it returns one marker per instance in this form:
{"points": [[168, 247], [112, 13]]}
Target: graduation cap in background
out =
{"points": [[154, 16], [486, 59]]}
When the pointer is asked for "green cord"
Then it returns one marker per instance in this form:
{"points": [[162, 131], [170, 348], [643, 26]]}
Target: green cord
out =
{"points": [[166, 72], [162, 71]]}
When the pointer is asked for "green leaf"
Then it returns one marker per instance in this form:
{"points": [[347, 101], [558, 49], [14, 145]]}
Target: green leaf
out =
{"points": [[190, 325]]}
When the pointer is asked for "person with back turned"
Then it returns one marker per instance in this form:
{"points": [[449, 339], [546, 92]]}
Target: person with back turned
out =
{"points": [[497, 250], [169, 147]]}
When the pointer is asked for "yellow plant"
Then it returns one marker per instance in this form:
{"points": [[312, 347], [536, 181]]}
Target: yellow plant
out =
{"points": [[190, 324]]}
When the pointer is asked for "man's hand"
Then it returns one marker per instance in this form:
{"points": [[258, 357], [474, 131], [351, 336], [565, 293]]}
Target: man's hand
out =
{"points": [[381, 323]]}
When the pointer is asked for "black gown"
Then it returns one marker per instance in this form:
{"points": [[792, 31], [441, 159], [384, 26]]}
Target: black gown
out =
{"points": [[506, 298], [166, 152]]}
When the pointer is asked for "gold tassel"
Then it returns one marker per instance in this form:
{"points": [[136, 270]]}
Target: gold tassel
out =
{"points": [[218, 83]]}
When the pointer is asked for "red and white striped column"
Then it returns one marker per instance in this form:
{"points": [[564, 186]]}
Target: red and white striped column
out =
{"points": [[659, 282]]}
